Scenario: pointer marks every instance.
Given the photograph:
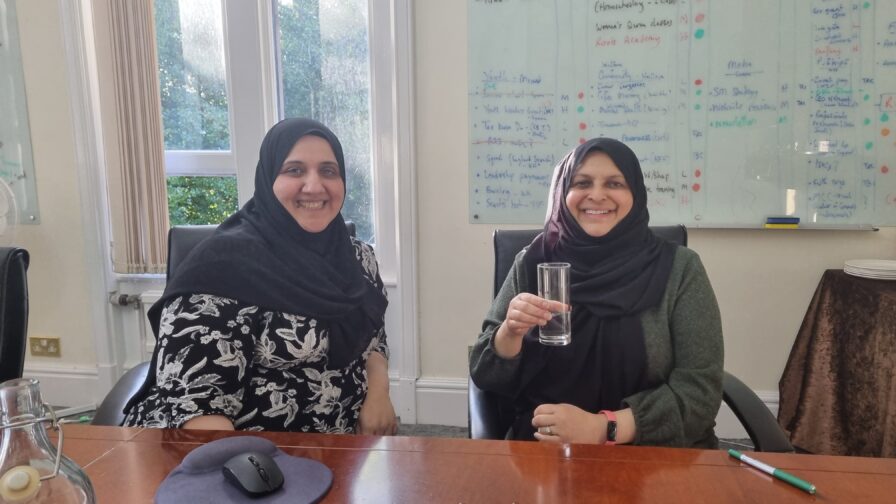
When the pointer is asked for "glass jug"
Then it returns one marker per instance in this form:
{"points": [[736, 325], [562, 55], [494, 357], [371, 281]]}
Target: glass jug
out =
{"points": [[32, 470]]}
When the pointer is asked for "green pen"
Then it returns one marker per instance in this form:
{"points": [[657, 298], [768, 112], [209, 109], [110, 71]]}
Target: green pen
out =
{"points": [[781, 475]]}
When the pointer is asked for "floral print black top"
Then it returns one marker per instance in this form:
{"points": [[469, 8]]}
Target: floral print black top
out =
{"points": [[263, 370]]}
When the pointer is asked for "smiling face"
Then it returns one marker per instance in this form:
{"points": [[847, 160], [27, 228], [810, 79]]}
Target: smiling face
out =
{"points": [[309, 185], [599, 197]]}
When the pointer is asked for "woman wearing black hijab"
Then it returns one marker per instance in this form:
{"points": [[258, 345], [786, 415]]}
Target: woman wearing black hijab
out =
{"points": [[645, 362], [276, 321]]}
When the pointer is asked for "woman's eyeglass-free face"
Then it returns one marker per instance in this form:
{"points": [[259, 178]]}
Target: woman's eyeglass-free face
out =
{"points": [[309, 185], [598, 196]]}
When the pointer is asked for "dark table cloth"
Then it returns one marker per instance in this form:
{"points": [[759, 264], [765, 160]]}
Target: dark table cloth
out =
{"points": [[838, 390]]}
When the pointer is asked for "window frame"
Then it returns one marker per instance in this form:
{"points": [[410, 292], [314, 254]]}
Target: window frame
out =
{"points": [[253, 97], [199, 163]]}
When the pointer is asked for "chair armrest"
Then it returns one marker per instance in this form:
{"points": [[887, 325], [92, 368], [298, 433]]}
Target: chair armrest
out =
{"points": [[111, 410], [760, 424], [484, 414]]}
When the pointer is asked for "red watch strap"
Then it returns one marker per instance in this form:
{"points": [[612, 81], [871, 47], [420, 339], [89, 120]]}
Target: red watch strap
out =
{"points": [[611, 426]]}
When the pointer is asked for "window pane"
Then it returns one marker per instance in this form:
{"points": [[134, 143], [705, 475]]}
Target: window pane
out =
{"points": [[323, 64], [190, 43], [201, 200]]}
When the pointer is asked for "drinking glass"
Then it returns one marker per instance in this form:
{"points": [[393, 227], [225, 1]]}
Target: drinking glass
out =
{"points": [[553, 285]]}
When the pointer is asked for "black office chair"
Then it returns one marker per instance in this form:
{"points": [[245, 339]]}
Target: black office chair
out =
{"points": [[13, 311], [181, 241], [490, 416]]}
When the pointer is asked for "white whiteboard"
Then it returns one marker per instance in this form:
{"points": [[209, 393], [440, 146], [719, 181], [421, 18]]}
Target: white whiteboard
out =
{"points": [[738, 110]]}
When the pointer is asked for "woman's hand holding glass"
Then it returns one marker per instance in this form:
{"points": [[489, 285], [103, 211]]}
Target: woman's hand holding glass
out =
{"points": [[524, 312]]}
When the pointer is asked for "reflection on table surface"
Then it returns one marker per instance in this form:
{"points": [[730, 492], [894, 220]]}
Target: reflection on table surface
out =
{"points": [[127, 465]]}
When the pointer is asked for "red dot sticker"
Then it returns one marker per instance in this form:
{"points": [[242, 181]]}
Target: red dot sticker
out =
{"points": [[698, 18], [885, 169], [698, 82], [582, 126], [697, 172], [696, 187], [581, 95], [582, 140]]}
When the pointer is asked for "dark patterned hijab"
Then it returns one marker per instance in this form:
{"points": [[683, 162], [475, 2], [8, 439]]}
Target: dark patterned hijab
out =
{"points": [[614, 278], [260, 255]]}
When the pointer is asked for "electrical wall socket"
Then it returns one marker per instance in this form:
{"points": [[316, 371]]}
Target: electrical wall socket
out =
{"points": [[44, 346]]}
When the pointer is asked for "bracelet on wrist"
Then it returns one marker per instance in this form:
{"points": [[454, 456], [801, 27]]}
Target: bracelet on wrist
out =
{"points": [[611, 426]]}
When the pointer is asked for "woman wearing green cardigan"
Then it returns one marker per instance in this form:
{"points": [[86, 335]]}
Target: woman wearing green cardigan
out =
{"points": [[645, 362]]}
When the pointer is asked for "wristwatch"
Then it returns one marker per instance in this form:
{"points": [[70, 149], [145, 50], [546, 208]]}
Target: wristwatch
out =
{"points": [[611, 426]]}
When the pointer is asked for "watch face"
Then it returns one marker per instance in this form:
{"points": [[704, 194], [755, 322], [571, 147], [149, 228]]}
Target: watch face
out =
{"points": [[611, 431]]}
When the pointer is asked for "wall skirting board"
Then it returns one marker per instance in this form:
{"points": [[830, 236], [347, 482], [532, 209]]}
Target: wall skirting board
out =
{"points": [[68, 386]]}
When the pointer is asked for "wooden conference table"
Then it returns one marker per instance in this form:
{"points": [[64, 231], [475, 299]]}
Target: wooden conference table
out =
{"points": [[128, 465]]}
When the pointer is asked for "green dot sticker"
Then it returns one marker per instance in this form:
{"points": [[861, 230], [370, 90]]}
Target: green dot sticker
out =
{"points": [[782, 119], [699, 33], [869, 145], [866, 97], [581, 108], [699, 92], [884, 117], [866, 5], [867, 121], [697, 107]]}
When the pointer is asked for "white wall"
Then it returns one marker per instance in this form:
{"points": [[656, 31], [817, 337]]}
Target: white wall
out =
{"points": [[56, 278], [763, 279]]}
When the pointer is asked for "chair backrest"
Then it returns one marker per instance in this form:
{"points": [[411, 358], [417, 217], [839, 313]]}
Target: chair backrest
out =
{"points": [[183, 239], [508, 243], [13, 311]]}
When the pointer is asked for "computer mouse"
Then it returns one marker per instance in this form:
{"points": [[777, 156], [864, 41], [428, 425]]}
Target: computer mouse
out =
{"points": [[254, 473]]}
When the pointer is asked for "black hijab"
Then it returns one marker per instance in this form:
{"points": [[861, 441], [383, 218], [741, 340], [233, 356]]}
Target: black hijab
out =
{"points": [[613, 279], [260, 255]]}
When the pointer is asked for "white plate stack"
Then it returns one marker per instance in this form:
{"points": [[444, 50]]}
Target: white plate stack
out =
{"points": [[878, 269]]}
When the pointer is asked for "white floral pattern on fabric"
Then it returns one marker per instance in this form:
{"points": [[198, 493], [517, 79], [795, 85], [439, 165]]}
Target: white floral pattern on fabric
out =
{"points": [[264, 370]]}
